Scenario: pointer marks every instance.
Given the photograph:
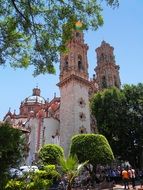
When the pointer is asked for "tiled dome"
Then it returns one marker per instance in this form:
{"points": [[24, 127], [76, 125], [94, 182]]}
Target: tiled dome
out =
{"points": [[33, 99]]}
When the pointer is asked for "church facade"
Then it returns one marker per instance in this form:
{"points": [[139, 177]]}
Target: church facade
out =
{"points": [[56, 121]]}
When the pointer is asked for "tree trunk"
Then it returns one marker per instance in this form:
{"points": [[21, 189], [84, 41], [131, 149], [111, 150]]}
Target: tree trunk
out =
{"points": [[69, 186]]}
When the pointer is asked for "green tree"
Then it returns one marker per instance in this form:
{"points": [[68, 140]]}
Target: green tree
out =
{"points": [[34, 32], [50, 154], [119, 115], [92, 147], [11, 149], [71, 168], [107, 107], [134, 123]]}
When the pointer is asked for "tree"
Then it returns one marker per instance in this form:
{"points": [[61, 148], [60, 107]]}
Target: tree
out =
{"points": [[34, 32], [94, 148], [134, 125], [50, 154], [107, 107], [11, 149], [71, 168], [119, 115]]}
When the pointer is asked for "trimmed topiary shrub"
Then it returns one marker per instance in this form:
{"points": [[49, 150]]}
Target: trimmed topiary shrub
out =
{"points": [[92, 147], [50, 154]]}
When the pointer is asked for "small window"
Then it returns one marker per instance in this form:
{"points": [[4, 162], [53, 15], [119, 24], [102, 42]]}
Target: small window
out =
{"points": [[30, 109], [104, 84], [80, 64], [102, 57], [77, 34], [66, 63], [115, 82], [81, 102], [82, 130], [82, 116]]}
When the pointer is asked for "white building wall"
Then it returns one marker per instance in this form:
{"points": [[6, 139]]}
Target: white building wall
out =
{"points": [[70, 110], [33, 125], [49, 128]]}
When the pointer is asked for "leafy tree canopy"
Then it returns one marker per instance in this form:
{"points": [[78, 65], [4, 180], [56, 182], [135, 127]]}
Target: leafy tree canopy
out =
{"points": [[33, 32], [11, 148], [92, 147], [119, 115], [105, 106], [50, 154]]}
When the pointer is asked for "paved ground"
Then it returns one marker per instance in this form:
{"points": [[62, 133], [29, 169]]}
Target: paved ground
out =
{"points": [[116, 187], [120, 187]]}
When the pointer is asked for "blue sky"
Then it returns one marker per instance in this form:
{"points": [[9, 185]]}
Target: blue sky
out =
{"points": [[123, 29]]}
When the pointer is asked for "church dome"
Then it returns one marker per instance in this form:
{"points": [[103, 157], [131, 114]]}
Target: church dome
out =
{"points": [[35, 98]]}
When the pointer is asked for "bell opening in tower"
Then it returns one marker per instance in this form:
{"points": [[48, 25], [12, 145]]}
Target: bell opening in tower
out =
{"points": [[66, 63], [80, 65], [77, 34], [104, 83]]}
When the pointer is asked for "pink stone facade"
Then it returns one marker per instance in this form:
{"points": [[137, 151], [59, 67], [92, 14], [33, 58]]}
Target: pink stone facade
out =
{"points": [[56, 121]]}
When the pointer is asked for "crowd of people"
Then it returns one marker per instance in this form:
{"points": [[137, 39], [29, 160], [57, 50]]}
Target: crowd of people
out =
{"points": [[127, 176], [123, 174]]}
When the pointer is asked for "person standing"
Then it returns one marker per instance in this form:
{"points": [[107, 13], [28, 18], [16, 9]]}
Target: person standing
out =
{"points": [[125, 177], [132, 176], [141, 178]]}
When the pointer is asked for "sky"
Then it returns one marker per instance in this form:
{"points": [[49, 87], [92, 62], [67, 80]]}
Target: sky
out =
{"points": [[122, 29]]}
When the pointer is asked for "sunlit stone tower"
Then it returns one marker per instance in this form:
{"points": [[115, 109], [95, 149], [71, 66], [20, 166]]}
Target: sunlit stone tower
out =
{"points": [[74, 88], [107, 72]]}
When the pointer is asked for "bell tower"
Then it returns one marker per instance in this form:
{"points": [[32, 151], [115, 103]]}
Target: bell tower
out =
{"points": [[75, 61], [107, 72], [74, 88]]}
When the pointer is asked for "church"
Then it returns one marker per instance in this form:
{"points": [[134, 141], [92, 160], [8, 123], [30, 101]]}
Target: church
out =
{"points": [[56, 121]]}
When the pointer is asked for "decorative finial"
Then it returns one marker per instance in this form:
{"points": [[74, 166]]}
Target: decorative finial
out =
{"points": [[103, 42]]}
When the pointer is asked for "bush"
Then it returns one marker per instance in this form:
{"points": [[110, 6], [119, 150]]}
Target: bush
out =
{"points": [[41, 179], [50, 154], [15, 185], [92, 147]]}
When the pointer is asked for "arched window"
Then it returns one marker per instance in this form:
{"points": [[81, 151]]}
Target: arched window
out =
{"points": [[66, 62], [115, 82], [80, 64], [102, 57], [77, 34], [104, 83]]}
